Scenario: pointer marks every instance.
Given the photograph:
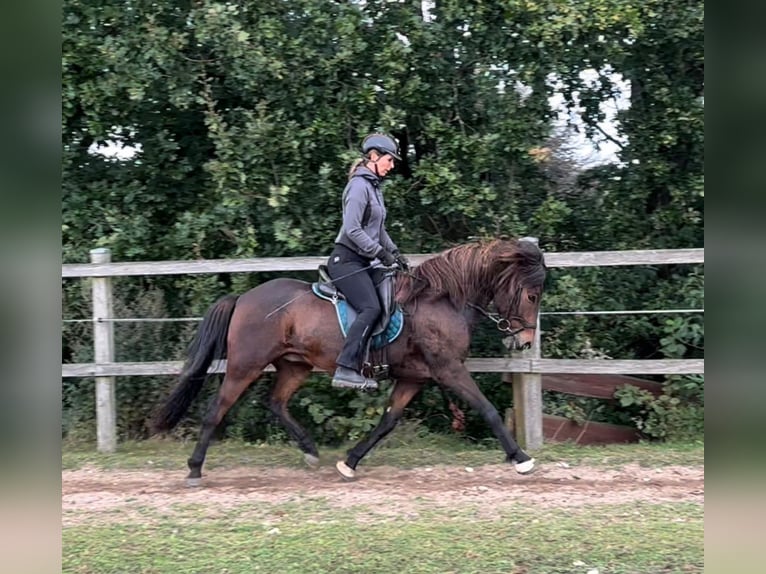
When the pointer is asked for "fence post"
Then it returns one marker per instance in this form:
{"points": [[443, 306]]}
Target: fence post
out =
{"points": [[103, 347], [528, 395]]}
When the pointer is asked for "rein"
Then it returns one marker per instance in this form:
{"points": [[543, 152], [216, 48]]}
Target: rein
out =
{"points": [[502, 323]]}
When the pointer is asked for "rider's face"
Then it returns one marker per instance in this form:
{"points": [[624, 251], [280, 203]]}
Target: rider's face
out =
{"points": [[385, 164]]}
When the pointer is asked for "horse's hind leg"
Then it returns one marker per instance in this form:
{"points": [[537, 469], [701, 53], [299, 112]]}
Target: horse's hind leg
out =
{"points": [[290, 377], [232, 387], [403, 393]]}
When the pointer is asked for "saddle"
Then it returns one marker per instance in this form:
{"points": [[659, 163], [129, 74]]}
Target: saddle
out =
{"points": [[385, 331], [386, 288]]}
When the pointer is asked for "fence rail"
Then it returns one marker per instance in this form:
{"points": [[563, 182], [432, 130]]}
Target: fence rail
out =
{"points": [[201, 266], [524, 371], [501, 365]]}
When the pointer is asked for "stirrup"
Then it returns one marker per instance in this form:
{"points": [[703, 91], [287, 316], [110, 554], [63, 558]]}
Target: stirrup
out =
{"points": [[367, 385]]}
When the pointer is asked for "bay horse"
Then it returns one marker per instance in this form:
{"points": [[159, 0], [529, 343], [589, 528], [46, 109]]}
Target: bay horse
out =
{"points": [[282, 323]]}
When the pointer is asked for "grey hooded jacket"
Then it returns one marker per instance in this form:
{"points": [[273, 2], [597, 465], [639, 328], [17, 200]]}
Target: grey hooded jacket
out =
{"points": [[364, 216]]}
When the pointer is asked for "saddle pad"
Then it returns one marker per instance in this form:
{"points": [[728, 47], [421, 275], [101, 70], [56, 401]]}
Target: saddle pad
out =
{"points": [[346, 316]]}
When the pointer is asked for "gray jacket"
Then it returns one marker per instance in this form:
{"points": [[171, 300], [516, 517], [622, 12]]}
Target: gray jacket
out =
{"points": [[364, 216]]}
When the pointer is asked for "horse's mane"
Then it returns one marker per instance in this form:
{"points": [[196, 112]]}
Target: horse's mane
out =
{"points": [[474, 272]]}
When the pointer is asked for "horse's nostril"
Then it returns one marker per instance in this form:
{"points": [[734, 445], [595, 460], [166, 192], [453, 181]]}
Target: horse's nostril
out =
{"points": [[526, 346]]}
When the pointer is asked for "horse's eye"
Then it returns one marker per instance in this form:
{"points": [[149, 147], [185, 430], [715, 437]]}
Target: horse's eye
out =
{"points": [[532, 298]]}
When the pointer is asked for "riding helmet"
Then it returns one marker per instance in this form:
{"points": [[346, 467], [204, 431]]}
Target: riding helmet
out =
{"points": [[382, 144]]}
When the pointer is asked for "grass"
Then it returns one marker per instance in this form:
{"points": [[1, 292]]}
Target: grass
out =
{"points": [[619, 539], [311, 536], [407, 452]]}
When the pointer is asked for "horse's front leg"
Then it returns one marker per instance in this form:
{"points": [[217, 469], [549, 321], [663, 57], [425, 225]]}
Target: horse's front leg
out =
{"points": [[454, 376], [402, 394]]}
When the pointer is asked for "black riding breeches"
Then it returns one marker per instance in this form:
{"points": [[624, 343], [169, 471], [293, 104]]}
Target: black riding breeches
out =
{"points": [[351, 274]]}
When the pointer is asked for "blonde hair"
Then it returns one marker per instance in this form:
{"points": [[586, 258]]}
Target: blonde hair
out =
{"points": [[355, 165]]}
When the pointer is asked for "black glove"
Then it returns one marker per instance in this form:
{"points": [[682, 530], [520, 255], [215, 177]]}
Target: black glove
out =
{"points": [[402, 261], [386, 257]]}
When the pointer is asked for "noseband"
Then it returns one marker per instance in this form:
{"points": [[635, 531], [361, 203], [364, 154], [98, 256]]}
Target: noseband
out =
{"points": [[502, 323]]}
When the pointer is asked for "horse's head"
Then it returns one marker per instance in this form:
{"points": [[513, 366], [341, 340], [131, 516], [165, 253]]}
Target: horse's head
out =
{"points": [[518, 289], [519, 316], [508, 273]]}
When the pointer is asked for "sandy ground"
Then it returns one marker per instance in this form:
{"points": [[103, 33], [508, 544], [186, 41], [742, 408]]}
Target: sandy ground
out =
{"points": [[93, 495]]}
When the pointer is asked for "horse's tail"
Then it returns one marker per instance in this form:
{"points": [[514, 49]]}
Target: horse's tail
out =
{"points": [[208, 345]]}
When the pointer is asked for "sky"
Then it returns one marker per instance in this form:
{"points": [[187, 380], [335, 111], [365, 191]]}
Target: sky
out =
{"points": [[592, 153]]}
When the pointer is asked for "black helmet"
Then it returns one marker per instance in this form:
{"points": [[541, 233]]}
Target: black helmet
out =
{"points": [[383, 144]]}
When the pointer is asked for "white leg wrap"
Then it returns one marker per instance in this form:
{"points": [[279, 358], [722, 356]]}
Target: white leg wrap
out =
{"points": [[344, 470], [525, 467]]}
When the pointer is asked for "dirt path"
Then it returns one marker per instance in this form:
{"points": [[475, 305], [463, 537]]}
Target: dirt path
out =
{"points": [[92, 494]]}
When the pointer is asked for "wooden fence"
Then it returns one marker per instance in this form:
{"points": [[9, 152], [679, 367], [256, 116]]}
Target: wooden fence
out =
{"points": [[524, 370]]}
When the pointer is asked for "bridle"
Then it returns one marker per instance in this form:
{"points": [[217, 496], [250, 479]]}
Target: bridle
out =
{"points": [[502, 323]]}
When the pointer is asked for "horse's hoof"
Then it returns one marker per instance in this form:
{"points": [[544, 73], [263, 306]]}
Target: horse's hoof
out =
{"points": [[311, 460], [525, 467], [345, 471], [194, 482]]}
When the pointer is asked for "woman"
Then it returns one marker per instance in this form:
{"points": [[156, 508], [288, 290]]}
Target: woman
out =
{"points": [[361, 242]]}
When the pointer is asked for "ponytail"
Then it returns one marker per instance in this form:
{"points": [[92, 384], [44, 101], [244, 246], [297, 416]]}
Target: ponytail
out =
{"points": [[355, 165]]}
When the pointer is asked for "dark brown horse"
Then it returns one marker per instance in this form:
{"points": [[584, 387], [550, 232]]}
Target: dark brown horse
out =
{"points": [[283, 324]]}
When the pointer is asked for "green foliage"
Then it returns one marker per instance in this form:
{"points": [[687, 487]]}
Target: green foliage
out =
{"points": [[676, 415], [655, 197], [684, 335], [134, 341], [331, 415]]}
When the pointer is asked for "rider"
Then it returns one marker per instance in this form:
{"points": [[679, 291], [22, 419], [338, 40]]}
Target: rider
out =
{"points": [[361, 242]]}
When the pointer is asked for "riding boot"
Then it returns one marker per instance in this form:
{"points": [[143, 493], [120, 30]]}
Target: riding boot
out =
{"points": [[345, 378], [349, 371]]}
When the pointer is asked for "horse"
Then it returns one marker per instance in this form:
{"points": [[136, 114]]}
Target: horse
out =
{"points": [[282, 323]]}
